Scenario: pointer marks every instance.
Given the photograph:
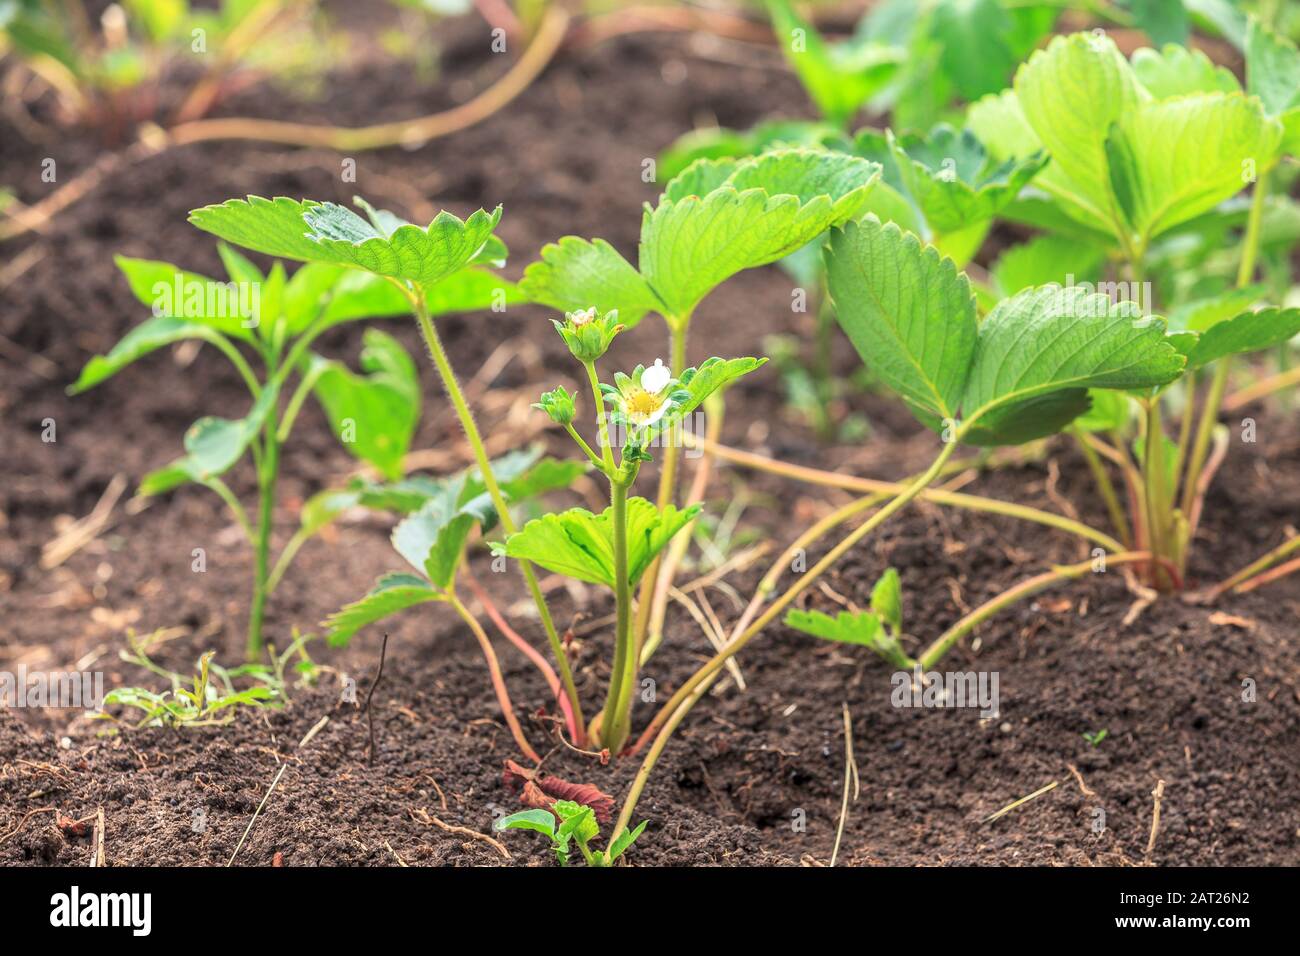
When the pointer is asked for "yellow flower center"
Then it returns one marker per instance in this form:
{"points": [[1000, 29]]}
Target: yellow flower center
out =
{"points": [[641, 404]]}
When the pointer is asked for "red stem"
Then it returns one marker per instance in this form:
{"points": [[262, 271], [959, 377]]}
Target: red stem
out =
{"points": [[528, 651]]}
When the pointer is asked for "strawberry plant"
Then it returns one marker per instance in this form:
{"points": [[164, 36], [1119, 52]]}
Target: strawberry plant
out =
{"points": [[577, 826], [1146, 158], [434, 269], [276, 317], [715, 219]]}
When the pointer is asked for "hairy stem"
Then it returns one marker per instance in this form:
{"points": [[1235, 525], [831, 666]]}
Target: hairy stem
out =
{"points": [[452, 387], [667, 486], [268, 471], [614, 723]]}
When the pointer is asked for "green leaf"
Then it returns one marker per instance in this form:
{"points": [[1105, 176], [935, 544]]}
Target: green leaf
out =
{"points": [[576, 274], [863, 628], [1071, 94], [838, 78], [982, 41], [391, 593], [949, 176], [322, 508], [543, 821], [1052, 338], [433, 539], [1109, 411], [213, 445], [580, 544], [1000, 124], [720, 143], [1177, 71], [374, 415], [691, 245], [1044, 260], [309, 231], [147, 337], [1201, 314], [1248, 332], [713, 374], [887, 600], [908, 312], [1272, 68], [625, 840], [174, 293], [1175, 159]]}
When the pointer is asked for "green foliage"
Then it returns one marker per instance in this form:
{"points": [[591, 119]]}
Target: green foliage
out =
{"points": [[1020, 374], [375, 413], [440, 514], [310, 231], [580, 544], [879, 629], [838, 77], [569, 824], [715, 219]]}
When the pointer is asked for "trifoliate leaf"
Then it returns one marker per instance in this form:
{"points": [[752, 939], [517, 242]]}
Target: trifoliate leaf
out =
{"points": [[391, 593], [1001, 126], [170, 292], [691, 245], [839, 78], [580, 544], [908, 312], [948, 174], [309, 231]]}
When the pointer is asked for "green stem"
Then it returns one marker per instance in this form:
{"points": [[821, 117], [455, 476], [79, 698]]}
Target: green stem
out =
{"points": [[1106, 487], [674, 710], [956, 499], [614, 722], [268, 472], [602, 423], [1258, 566], [1155, 477], [236, 509], [1219, 384], [452, 387], [939, 649], [667, 484]]}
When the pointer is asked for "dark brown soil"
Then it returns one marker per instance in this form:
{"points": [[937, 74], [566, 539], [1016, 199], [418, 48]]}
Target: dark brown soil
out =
{"points": [[746, 768]]}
